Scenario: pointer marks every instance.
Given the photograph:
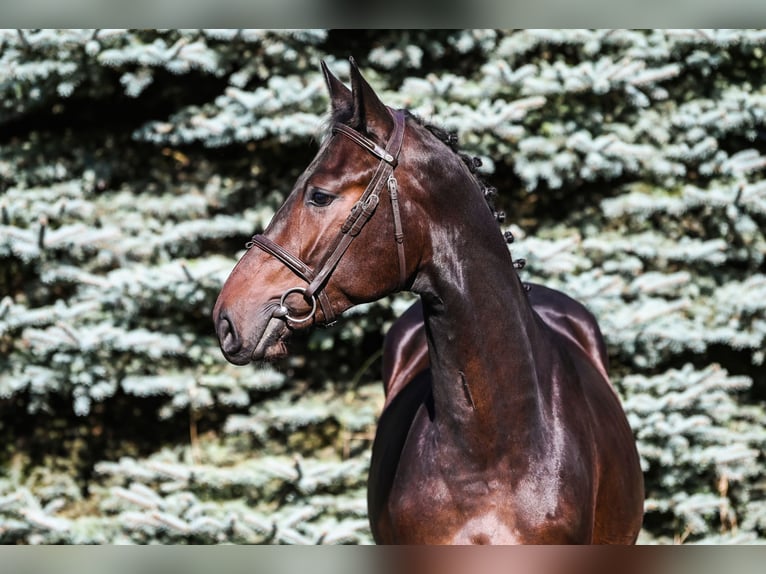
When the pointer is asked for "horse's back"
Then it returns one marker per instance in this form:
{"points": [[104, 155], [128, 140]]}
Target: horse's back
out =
{"points": [[572, 320], [620, 493]]}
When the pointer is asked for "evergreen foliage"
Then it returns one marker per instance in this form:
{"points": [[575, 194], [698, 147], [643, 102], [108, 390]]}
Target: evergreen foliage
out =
{"points": [[134, 165]]}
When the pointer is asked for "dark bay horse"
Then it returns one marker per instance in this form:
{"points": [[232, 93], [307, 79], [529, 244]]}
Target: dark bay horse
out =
{"points": [[500, 425]]}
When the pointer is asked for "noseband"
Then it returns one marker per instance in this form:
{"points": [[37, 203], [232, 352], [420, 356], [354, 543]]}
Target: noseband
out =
{"points": [[360, 213]]}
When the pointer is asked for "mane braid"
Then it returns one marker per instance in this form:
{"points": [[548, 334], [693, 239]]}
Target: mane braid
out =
{"points": [[450, 139], [473, 163]]}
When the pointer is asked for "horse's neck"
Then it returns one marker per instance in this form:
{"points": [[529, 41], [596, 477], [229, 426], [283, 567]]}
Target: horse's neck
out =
{"points": [[487, 350]]}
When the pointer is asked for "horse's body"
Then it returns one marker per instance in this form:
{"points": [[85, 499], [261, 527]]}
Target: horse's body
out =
{"points": [[500, 424], [406, 367]]}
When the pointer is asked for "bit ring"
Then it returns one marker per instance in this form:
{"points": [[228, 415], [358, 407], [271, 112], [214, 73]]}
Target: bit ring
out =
{"points": [[286, 311]]}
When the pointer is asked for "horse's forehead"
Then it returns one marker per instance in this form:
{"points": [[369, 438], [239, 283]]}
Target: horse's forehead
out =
{"points": [[337, 156]]}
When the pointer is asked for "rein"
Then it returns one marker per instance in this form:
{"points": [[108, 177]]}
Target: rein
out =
{"points": [[360, 214]]}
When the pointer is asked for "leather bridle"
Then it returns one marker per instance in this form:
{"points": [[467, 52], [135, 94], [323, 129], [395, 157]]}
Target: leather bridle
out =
{"points": [[360, 214]]}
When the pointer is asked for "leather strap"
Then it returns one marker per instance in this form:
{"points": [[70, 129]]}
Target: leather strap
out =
{"points": [[296, 266], [393, 193], [366, 143]]}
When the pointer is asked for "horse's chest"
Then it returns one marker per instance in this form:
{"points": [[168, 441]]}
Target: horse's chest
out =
{"points": [[438, 495]]}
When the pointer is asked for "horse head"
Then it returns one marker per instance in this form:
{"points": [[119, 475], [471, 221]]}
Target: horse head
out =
{"points": [[341, 238]]}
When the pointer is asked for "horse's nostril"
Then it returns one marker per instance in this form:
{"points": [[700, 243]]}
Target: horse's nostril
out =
{"points": [[227, 335]]}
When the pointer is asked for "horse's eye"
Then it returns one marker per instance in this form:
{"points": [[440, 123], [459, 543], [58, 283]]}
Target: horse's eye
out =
{"points": [[320, 198]]}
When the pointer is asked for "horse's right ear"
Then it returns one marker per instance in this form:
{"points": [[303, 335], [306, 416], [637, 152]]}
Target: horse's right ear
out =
{"points": [[340, 95]]}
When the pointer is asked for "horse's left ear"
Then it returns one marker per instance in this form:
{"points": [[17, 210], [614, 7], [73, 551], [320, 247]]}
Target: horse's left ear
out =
{"points": [[370, 114], [340, 95]]}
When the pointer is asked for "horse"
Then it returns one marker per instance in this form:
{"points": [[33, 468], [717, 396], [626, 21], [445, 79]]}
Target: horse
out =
{"points": [[500, 424]]}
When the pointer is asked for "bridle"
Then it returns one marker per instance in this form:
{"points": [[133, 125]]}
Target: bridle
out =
{"points": [[360, 214]]}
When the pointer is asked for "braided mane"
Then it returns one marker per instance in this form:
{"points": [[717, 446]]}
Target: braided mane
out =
{"points": [[449, 138]]}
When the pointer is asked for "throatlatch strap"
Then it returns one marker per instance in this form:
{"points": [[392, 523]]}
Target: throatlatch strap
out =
{"points": [[393, 193]]}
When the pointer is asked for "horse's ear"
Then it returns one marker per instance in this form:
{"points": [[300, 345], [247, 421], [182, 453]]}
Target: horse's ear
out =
{"points": [[340, 95], [370, 114]]}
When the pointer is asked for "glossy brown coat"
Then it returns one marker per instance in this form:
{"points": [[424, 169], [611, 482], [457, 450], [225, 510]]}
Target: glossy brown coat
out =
{"points": [[500, 425]]}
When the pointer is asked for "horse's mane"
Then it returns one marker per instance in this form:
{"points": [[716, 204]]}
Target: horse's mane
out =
{"points": [[450, 139]]}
